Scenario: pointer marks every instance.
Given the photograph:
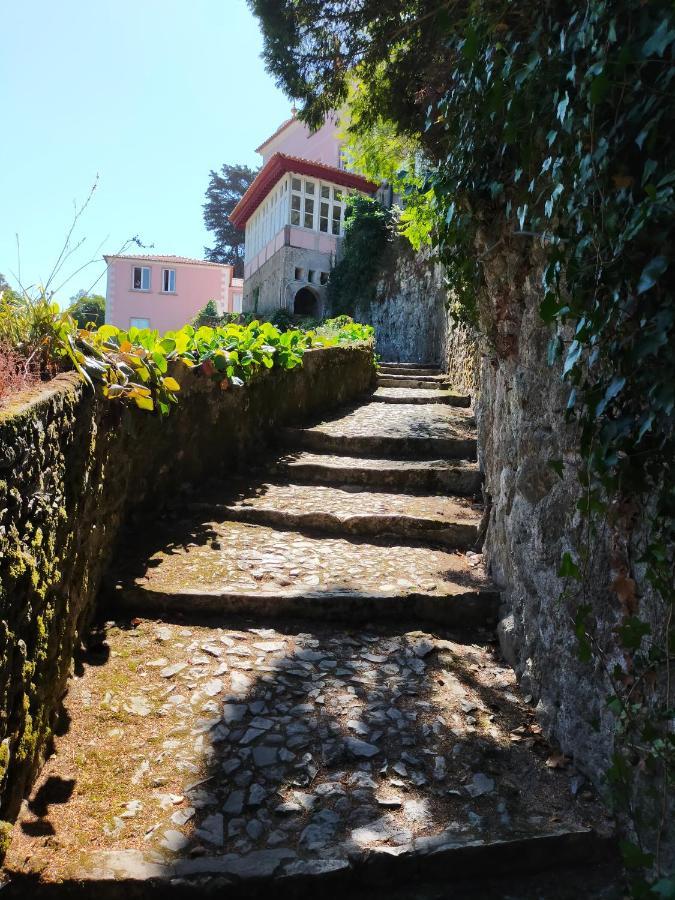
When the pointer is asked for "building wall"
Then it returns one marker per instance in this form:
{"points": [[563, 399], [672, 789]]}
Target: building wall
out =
{"points": [[196, 284], [268, 228], [296, 140], [274, 285]]}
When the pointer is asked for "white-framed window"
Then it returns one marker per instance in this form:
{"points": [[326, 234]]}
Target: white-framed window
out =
{"points": [[139, 323], [303, 202], [317, 206], [140, 278], [168, 281]]}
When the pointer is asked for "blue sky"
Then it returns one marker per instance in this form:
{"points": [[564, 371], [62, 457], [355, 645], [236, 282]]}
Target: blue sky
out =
{"points": [[148, 94]]}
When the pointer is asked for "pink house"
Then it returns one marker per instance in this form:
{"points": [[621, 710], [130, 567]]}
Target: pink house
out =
{"points": [[167, 292], [293, 216]]}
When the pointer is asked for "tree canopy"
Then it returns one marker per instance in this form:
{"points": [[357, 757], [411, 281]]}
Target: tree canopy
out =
{"points": [[87, 308], [313, 46], [225, 190]]}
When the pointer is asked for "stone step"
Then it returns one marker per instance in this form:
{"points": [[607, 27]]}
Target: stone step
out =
{"points": [[412, 395], [221, 567], [460, 477], [430, 382], [391, 369], [395, 431], [228, 760], [422, 364], [352, 511], [379, 445]]}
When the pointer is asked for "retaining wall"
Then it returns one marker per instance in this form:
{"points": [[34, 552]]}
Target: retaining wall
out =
{"points": [[73, 469]]}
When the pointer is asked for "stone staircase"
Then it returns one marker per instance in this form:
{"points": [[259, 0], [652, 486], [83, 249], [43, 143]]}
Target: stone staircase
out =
{"points": [[309, 692]]}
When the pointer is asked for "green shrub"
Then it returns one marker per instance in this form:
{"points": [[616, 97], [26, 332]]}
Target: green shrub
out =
{"points": [[133, 365]]}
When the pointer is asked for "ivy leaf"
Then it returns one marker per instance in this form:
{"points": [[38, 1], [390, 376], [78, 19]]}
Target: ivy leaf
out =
{"points": [[658, 42], [568, 568], [548, 308], [554, 347], [634, 857], [572, 357], [561, 108], [599, 88], [651, 273], [615, 386], [557, 466], [631, 633], [665, 888]]}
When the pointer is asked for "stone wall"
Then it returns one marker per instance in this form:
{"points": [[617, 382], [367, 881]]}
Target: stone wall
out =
{"points": [[412, 319], [73, 469], [274, 285], [409, 310], [533, 518]]}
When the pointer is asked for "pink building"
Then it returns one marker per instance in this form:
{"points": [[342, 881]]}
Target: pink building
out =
{"points": [[293, 215], [167, 292]]}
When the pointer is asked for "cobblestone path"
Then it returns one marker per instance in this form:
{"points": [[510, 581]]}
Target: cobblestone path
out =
{"points": [[306, 689]]}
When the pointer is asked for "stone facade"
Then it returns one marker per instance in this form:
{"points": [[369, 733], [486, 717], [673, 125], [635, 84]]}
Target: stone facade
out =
{"points": [[73, 469], [276, 284], [532, 518], [412, 319]]}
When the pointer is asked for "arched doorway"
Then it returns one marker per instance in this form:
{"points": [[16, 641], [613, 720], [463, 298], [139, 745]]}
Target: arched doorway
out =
{"points": [[306, 303]]}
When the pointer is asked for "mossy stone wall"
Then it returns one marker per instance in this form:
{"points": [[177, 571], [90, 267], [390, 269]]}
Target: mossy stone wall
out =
{"points": [[74, 468]]}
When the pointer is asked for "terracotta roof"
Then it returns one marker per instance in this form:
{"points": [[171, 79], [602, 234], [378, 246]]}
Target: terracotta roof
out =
{"points": [[281, 128], [173, 259], [276, 167]]}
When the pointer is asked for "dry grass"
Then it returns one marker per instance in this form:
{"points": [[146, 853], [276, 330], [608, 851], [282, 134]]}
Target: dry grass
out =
{"points": [[16, 373]]}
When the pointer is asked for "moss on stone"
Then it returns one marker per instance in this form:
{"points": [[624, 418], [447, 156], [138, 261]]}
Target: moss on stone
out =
{"points": [[5, 838], [74, 469], [4, 759]]}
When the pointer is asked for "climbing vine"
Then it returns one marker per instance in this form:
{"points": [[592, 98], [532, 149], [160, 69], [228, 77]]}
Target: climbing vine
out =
{"points": [[560, 132], [368, 232]]}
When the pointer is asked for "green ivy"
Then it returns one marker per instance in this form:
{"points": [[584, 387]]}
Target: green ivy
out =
{"points": [[368, 233], [556, 126]]}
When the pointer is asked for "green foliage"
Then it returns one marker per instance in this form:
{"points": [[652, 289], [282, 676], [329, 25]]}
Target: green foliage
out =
{"points": [[87, 309], [225, 190], [383, 154], [368, 232], [141, 366]]}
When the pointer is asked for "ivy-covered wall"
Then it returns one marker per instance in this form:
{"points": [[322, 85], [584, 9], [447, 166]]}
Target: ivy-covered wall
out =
{"points": [[73, 469], [528, 455]]}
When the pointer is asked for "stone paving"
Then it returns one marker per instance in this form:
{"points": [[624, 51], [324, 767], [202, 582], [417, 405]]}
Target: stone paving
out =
{"points": [[395, 430], [256, 558], [460, 477], [281, 746], [344, 502], [404, 421], [338, 743]]}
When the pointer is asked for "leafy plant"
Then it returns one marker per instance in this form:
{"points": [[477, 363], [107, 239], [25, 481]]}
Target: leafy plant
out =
{"points": [[141, 366], [368, 231]]}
